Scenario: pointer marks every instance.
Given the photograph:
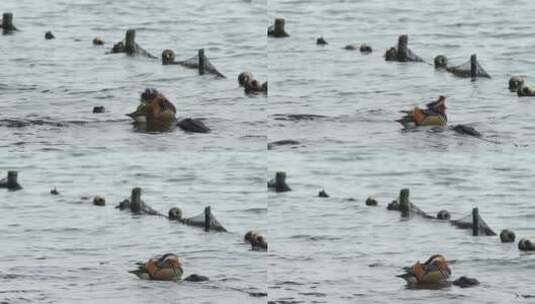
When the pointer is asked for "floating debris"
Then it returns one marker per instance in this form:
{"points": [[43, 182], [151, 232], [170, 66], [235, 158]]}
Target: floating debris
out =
{"points": [[277, 29], [54, 191]]}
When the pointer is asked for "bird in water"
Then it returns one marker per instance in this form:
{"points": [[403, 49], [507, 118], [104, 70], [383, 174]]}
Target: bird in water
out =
{"points": [[433, 115], [155, 110], [166, 267], [434, 271]]}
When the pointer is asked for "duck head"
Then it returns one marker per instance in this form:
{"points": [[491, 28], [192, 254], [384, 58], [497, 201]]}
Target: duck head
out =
{"points": [[438, 106]]}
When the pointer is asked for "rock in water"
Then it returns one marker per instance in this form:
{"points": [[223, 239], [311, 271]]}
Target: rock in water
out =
{"points": [[193, 125]]}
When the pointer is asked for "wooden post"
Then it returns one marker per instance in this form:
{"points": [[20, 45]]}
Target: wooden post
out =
{"points": [[207, 218], [279, 26], [201, 62], [7, 23], [473, 66], [12, 183], [404, 205], [403, 52], [475, 222], [130, 42], [135, 200]]}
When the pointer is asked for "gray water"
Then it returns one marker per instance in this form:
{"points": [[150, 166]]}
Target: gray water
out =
{"points": [[62, 249]]}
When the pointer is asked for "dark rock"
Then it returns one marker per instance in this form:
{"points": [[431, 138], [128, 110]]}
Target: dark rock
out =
{"points": [[193, 125], [443, 215], [49, 35], [351, 47], [321, 41], [393, 206], [196, 278], [370, 201], [465, 282], [322, 193], [507, 236], [99, 201], [466, 130], [99, 109], [54, 191]]}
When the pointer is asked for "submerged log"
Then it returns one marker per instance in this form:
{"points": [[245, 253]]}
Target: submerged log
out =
{"points": [[202, 62]]}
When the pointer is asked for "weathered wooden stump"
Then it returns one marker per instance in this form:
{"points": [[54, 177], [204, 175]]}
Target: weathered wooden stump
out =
{"points": [[11, 182], [441, 62], [473, 66], [130, 42], [279, 183], [7, 23], [207, 218], [403, 49], [136, 205], [277, 29], [404, 204], [202, 62], [475, 222]]}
